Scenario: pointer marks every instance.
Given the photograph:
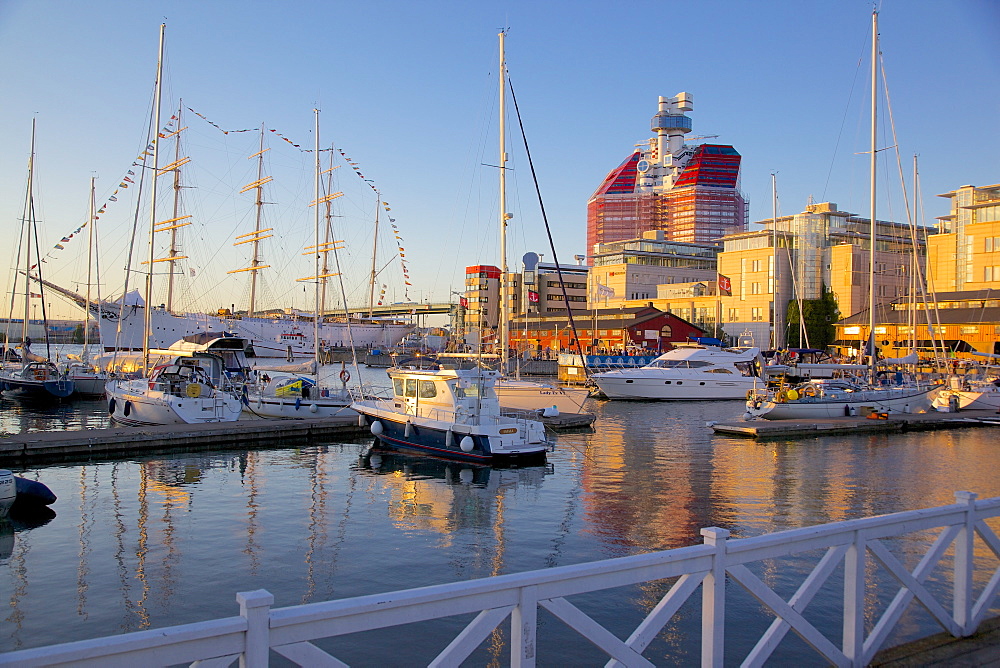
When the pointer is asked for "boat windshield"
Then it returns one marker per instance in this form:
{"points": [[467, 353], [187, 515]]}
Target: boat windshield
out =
{"points": [[678, 364]]}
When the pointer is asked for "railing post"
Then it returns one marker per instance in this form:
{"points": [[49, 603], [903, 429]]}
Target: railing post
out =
{"points": [[854, 601], [962, 597], [523, 628], [255, 607], [713, 600]]}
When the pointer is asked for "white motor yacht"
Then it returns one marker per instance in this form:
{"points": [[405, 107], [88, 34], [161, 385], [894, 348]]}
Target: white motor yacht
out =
{"points": [[690, 371]]}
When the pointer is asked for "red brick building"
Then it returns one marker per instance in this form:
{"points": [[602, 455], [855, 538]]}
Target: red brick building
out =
{"points": [[603, 331]]}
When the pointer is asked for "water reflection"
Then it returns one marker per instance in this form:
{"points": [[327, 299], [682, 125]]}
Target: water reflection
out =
{"points": [[169, 539]]}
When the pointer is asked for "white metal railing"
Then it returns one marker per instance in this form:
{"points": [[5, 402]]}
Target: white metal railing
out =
{"points": [[290, 631]]}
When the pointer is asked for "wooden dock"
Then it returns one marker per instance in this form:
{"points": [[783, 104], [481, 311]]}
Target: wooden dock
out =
{"points": [[785, 429], [55, 446]]}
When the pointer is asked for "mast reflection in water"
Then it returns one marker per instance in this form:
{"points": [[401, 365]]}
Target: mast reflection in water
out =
{"points": [[154, 542]]}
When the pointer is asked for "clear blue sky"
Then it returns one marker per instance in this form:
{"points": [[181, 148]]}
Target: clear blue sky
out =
{"points": [[408, 90]]}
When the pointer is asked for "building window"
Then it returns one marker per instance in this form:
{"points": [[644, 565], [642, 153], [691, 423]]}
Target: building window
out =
{"points": [[734, 315], [755, 288], [757, 314], [968, 329], [852, 330], [666, 332]]}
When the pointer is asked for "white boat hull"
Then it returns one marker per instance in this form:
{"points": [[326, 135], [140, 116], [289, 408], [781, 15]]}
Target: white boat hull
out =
{"points": [[271, 337], [670, 387], [895, 400], [297, 407], [523, 395], [134, 403]]}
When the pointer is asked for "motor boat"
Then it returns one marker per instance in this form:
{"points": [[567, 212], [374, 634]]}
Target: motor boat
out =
{"points": [[452, 413], [689, 371]]}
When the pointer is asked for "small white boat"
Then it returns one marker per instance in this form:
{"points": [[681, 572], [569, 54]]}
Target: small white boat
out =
{"points": [[453, 413], [828, 398], [981, 394], [691, 371], [88, 381], [295, 396], [192, 382]]}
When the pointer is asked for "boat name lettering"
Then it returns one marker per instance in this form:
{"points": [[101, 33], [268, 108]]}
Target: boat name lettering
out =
{"points": [[512, 430]]}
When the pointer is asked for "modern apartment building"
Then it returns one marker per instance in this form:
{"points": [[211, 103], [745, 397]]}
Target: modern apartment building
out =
{"points": [[687, 190], [965, 253]]}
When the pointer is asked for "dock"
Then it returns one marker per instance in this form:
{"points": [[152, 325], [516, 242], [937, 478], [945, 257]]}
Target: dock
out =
{"points": [[59, 446], [901, 422], [943, 649]]}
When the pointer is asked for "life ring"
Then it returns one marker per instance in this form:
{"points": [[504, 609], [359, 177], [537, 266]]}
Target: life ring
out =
{"points": [[193, 390], [809, 392], [345, 375], [782, 396]]}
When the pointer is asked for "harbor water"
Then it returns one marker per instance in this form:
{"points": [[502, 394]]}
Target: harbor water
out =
{"points": [[147, 542]]}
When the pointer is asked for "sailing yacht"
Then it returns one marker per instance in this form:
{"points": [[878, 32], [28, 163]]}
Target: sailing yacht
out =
{"points": [[838, 398], [37, 377], [549, 399], [191, 383]]}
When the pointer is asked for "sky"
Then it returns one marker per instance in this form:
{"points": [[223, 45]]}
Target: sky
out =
{"points": [[408, 91]]}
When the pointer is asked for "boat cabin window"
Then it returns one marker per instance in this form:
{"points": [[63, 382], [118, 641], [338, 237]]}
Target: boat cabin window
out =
{"points": [[397, 386], [678, 364], [746, 368], [427, 389], [719, 370], [466, 389]]}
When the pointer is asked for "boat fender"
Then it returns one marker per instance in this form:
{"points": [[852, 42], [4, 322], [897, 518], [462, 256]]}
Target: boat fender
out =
{"points": [[298, 403], [408, 429], [244, 399], [449, 439], [345, 376], [781, 396], [259, 403], [33, 492], [127, 409], [792, 395], [467, 444], [313, 408], [376, 427], [361, 420], [111, 406]]}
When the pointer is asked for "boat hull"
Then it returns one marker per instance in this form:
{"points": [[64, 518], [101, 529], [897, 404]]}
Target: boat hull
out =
{"points": [[529, 396], [271, 337], [133, 403], [672, 387], [297, 407], [901, 400], [61, 388]]}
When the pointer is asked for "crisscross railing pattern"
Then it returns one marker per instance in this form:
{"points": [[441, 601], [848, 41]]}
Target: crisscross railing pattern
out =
{"points": [[290, 632]]}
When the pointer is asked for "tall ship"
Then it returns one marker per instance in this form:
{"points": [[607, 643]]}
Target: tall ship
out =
{"points": [[284, 335]]}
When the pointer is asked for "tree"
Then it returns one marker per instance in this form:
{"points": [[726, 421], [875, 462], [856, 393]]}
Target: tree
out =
{"points": [[818, 315]]}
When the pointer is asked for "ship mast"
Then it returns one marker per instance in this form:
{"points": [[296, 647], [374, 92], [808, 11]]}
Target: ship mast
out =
{"points": [[872, 166], [90, 265], [504, 344], [257, 235], [147, 318], [29, 217], [371, 292], [173, 257]]}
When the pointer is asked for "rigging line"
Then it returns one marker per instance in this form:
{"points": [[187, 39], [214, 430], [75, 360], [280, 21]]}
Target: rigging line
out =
{"points": [[548, 232], [843, 122], [911, 219]]}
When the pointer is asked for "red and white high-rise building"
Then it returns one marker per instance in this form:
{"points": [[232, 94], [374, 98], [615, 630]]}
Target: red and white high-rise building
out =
{"points": [[690, 191]]}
